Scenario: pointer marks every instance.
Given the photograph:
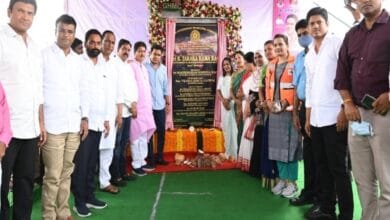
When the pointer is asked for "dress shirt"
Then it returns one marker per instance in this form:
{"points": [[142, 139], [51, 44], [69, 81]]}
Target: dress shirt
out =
{"points": [[324, 100], [299, 75], [21, 76], [128, 85], [159, 84], [61, 90], [364, 62], [115, 86], [5, 124], [95, 99]]}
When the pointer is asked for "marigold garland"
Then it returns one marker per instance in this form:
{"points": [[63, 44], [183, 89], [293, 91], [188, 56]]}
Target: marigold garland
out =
{"points": [[195, 8], [183, 140]]}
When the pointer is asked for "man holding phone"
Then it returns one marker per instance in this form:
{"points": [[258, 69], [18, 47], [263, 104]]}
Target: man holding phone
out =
{"points": [[362, 80]]}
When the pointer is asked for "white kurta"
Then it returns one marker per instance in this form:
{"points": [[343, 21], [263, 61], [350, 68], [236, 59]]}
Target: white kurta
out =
{"points": [[115, 98], [107, 144], [229, 125]]}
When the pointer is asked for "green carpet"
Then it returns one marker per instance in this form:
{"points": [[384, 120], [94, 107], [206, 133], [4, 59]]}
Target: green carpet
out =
{"points": [[216, 195]]}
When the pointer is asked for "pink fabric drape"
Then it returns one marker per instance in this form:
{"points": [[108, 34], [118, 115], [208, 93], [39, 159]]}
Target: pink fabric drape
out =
{"points": [[221, 54], [170, 47]]}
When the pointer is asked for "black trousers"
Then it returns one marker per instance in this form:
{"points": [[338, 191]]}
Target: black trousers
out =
{"points": [[118, 164], [19, 161], [86, 160], [331, 152], [311, 183], [159, 120]]}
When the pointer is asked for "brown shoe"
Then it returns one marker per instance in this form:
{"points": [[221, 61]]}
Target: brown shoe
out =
{"points": [[111, 189]]}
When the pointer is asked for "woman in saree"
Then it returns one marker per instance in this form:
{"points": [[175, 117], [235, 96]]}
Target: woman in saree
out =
{"points": [[235, 91], [249, 88]]}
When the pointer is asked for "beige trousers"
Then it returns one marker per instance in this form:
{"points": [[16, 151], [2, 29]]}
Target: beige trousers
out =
{"points": [[371, 166], [57, 155]]}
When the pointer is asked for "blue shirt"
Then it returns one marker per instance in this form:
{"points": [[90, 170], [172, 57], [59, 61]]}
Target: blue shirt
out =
{"points": [[158, 81], [299, 75]]}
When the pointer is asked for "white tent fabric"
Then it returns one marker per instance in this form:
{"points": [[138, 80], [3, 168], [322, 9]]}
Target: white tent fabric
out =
{"points": [[129, 18], [126, 18]]}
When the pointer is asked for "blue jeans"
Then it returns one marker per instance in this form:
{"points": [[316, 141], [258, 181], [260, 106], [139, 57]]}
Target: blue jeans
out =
{"points": [[118, 165]]}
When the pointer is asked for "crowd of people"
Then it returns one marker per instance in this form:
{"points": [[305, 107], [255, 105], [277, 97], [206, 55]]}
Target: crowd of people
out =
{"points": [[327, 105], [81, 109]]}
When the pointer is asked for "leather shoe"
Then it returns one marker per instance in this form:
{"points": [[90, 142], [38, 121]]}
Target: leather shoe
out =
{"points": [[119, 182], [315, 213], [301, 200], [111, 189]]}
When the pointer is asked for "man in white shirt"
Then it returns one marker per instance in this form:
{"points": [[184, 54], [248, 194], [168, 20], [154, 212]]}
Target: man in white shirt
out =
{"points": [[326, 122], [129, 109], [97, 112], [62, 109], [107, 144], [21, 76]]}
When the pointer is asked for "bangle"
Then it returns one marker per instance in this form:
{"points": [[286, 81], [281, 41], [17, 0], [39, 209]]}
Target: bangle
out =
{"points": [[347, 100]]}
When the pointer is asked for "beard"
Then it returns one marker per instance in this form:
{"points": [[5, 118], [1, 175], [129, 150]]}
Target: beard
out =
{"points": [[93, 53]]}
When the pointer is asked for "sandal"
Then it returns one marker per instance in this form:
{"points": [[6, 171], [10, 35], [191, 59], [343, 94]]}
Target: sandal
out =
{"points": [[111, 189]]}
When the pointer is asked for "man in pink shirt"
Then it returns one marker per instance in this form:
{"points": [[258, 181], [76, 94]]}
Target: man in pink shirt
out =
{"points": [[5, 125], [142, 126]]}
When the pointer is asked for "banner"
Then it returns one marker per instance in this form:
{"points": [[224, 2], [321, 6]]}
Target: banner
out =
{"points": [[194, 74], [285, 17]]}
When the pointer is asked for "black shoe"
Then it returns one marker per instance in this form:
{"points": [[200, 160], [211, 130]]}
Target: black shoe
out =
{"points": [[129, 177], [162, 162], [139, 172], [96, 204], [119, 182], [315, 213], [148, 168], [82, 211], [301, 200]]}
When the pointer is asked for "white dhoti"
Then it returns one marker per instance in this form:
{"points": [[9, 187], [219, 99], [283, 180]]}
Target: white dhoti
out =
{"points": [[139, 151], [106, 153]]}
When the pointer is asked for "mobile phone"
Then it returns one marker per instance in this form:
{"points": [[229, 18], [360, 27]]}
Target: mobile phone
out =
{"points": [[367, 101]]}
